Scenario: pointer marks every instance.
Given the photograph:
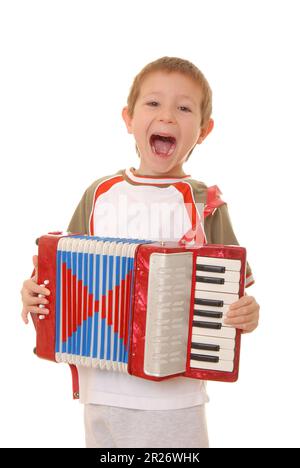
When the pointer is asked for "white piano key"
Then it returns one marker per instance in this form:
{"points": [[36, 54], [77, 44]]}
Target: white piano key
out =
{"points": [[217, 296], [225, 366], [226, 288], [223, 354], [224, 332], [224, 343], [229, 264]]}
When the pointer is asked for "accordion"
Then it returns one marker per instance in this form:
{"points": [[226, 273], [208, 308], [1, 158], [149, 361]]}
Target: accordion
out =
{"points": [[151, 309]]}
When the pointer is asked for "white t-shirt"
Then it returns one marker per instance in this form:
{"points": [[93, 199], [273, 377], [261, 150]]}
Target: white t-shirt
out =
{"points": [[144, 211]]}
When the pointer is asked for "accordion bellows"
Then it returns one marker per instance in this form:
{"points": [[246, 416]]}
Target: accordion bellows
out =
{"points": [[153, 310]]}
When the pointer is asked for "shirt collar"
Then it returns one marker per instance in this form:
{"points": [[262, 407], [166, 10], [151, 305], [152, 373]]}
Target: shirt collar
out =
{"points": [[159, 180]]}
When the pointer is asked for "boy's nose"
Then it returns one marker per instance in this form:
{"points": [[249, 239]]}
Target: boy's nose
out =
{"points": [[166, 119], [166, 115]]}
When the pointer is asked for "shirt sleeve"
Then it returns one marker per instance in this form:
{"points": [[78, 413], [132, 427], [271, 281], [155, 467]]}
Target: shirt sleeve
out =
{"points": [[219, 230], [79, 222]]}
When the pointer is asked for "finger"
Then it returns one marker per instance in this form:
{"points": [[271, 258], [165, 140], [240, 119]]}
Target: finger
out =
{"points": [[37, 310], [35, 261], [246, 310], [250, 327], [241, 319], [247, 327], [33, 310], [30, 300], [34, 288], [24, 316], [243, 301]]}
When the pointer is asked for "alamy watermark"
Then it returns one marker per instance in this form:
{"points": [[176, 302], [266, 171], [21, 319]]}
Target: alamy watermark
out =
{"points": [[143, 220]]}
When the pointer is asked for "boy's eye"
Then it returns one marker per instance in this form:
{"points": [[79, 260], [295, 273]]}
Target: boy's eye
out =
{"points": [[184, 109], [152, 103]]}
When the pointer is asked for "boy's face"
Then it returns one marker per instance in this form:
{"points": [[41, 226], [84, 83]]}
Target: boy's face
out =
{"points": [[166, 122]]}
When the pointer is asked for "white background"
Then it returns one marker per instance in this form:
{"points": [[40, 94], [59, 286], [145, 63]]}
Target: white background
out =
{"points": [[66, 69]]}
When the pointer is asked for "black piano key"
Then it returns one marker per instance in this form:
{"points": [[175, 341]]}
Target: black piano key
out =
{"points": [[210, 279], [208, 313], [209, 302], [211, 268], [204, 357], [212, 325], [205, 346]]}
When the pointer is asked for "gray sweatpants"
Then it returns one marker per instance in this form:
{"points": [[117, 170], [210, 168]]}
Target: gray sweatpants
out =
{"points": [[110, 427]]}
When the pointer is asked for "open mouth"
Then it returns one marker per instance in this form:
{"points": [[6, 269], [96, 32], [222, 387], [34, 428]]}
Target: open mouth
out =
{"points": [[162, 145]]}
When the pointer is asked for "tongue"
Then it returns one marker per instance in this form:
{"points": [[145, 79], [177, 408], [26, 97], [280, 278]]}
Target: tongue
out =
{"points": [[161, 146]]}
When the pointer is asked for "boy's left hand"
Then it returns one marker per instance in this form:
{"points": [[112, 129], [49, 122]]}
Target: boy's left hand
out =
{"points": [[243, 314]]}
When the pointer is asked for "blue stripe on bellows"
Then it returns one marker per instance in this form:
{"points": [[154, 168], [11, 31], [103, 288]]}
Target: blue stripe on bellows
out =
{"points": [[108, 342], [84, 336], [115, 350], [118, 271], [85, 263], [104, 270], [80, 261], [102, 343], [97, 289], [96, 331], [123, 267], [121, 350], [91, 273], [89, 336], [78, 341], [111, 273]]}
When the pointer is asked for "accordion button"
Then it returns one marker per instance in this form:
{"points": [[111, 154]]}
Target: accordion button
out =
{"points": [[76, 395]]}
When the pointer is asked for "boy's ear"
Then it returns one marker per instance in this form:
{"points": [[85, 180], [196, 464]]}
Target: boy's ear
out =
{"points": [[205, 131], [127, 119]]}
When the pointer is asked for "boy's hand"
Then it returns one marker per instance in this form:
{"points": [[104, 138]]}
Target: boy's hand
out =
{"points": [[243, 314], [33, 295]]}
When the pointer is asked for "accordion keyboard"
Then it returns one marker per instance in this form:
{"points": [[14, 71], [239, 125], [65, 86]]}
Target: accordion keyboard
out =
{"points": [[217, 286]]}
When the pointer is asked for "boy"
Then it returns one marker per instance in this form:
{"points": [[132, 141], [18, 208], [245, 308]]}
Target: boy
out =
{"points": [[169, 113]]}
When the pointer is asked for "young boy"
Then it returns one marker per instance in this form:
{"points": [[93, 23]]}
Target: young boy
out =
{"points": [[169, 113]]}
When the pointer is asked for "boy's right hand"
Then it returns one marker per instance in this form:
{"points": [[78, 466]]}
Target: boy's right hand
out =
{"points": [[33, 295]]}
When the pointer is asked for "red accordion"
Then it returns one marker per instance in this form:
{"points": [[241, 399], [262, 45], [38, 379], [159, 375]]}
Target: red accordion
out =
{"points": [[153, 310]]}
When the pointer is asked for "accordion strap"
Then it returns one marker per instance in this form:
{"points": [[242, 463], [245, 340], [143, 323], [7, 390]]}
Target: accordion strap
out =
{"points": [[196, 233], [213, 200], [75, 381]]}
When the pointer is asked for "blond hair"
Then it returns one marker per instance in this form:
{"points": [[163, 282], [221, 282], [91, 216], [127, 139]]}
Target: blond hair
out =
{"points": [[169, 65]]}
